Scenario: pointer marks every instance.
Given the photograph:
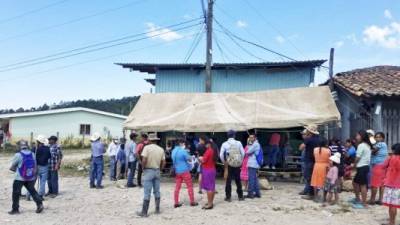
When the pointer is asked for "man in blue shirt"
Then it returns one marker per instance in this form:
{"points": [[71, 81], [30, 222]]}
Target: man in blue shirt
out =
{"points": [[97, 162], [253, 166], [311, 141]]}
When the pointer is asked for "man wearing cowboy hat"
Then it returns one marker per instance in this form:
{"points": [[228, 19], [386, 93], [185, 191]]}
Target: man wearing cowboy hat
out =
{"points": [[112, 152], [97, 161], [311, 141], [42, 159], [153, 162]]}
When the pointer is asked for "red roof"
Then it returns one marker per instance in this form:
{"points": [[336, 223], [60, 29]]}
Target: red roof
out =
{"points": [[372, 81]]}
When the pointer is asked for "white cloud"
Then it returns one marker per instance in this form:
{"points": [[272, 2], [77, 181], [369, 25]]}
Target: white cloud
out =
{"points": [[388, 14], [387, 36], [280, 39], [339, 44], [241, 24], [164, 34], [353, 38]]}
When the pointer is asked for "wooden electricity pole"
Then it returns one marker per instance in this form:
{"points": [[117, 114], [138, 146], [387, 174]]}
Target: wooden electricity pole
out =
{"points": [[209, 22], [331, 56]]}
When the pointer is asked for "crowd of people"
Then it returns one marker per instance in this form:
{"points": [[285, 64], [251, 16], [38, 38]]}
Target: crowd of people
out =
{"points": [[326, 165], [38, 163]]}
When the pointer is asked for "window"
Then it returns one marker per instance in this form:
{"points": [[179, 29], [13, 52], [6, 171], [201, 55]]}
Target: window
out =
{"points": [[84, 129]]}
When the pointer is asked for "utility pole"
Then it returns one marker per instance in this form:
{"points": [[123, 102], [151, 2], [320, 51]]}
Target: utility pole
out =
{"points": [[331, 56], [209, 22]]}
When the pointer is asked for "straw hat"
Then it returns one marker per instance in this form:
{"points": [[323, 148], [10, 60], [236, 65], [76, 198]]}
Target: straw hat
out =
{"points": [[95, 137], [370, 132], [312, 128], [335, 158], [153, 137], [42, 139]]}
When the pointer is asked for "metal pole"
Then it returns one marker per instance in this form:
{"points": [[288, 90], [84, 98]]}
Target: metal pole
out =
{"points": [[331, 56], [209, 21]]}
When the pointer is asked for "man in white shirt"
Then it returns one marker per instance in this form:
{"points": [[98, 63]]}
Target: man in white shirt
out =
{"points": [[130, 149], [232, 154], [112, 153]]}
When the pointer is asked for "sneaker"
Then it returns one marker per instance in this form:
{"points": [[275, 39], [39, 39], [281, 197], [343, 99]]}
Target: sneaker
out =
{"points": [[257, 196], [302, 193], [228, 199], [14, 212], [131, 185], [39, 208], [178, 205], [52, 195], [249, 196], [241, 199], [100, 187]]}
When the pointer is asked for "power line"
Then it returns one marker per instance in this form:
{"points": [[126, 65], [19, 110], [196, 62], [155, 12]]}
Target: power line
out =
{"points": [[237, 43], [194, 44], [32, 11], [90, 60], [97, 49], [97, 44], [71, 21], [220, 49]]}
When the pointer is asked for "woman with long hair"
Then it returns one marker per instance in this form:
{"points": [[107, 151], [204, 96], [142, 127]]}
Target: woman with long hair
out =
{"points": [[362, 162], [208, 171], [321, 154]]}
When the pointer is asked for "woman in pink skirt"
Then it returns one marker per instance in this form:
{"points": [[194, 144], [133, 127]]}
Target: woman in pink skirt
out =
{"points": [[391, 195], [244, 176]]}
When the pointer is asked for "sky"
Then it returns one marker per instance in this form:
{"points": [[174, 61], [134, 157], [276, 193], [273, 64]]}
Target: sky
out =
{"points": [[363, 33]]}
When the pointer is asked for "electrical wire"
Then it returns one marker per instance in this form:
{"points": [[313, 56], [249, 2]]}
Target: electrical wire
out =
{"points": [[106, 11], [98, 49], [220, 49], [98, 44], [195, 43], [32, 11], [91, 60]]}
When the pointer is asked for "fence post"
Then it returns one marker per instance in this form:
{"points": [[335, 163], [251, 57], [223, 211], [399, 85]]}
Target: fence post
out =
{"points": [[31, 141], [83, 140]]}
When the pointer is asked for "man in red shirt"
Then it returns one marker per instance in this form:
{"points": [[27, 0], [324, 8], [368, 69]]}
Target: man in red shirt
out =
{"points": [[139, 149], [273, 150]]}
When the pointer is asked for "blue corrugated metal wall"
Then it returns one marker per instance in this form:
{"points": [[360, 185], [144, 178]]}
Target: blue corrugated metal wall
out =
{"points": [[233, 80]]}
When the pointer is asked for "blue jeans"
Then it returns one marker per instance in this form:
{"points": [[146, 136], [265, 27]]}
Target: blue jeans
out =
{"points": [[254, 187], [272, 155], [308, 170], [96, 171], [131, 172], [52, 182], [42, 175], [151, 181], [113, 167]]}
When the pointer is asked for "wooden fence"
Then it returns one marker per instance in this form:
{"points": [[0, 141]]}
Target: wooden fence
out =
{"points": [[391, 125]]}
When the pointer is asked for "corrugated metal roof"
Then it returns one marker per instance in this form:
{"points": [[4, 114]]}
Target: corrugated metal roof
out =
{"points": [[153, 67], [55, 111]]}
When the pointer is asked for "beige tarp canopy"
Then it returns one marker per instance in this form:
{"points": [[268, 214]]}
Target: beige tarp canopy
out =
{"points": [[219, 112]]}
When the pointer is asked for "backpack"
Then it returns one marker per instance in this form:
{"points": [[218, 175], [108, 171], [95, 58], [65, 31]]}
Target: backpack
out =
{"points": [[235, 157], [28, 166], [260, 157]]}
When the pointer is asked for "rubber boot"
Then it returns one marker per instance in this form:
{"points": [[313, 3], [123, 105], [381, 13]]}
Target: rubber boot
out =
{"points": [[158, 201], [145, 209]]}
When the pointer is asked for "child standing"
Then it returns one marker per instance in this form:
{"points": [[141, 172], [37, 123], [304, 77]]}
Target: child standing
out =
{"points": [[331, 182], [391, 195]]}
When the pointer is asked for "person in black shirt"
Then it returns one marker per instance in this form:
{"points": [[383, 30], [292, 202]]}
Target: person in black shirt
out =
{"points": [[42, 159], [311, 141]]}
